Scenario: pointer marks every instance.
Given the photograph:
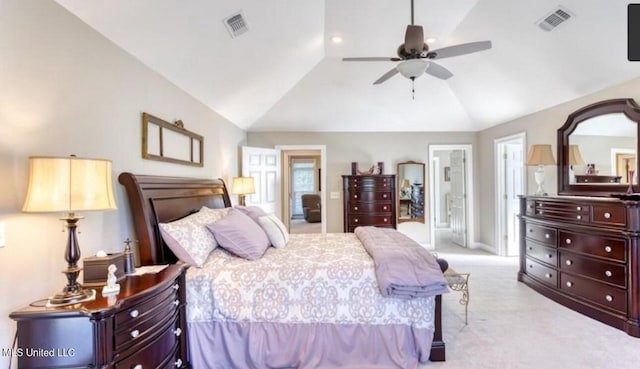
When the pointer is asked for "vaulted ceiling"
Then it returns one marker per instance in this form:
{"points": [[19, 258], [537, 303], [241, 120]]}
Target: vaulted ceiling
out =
{"points": [[285, 74]]}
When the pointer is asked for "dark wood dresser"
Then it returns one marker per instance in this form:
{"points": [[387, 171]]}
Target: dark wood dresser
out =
{"points": [[417, 201], [143, 326], [369, 200], [583, 253]]}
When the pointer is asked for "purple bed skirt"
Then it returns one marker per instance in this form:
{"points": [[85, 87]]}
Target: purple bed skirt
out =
{"points": [[228, 345]]}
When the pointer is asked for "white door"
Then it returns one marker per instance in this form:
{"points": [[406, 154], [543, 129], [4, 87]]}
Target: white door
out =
{"points": [[264, 166], [458, 198], [514, 187]]}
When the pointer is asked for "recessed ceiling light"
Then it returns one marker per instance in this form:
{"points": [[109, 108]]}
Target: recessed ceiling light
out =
{"points": [[430, 40], [336, 39]]}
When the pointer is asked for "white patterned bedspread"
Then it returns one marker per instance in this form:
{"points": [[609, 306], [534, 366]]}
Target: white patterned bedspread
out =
{"points": [[316, 278]]}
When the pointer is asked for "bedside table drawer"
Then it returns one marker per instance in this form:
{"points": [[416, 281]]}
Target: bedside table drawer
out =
{"points": [[146, 327], [156, 352], [135, 313]]}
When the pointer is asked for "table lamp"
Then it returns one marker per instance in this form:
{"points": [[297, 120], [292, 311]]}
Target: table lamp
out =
{"points": [[540, 155], [242, 186], [575, 158], [68, 185]]}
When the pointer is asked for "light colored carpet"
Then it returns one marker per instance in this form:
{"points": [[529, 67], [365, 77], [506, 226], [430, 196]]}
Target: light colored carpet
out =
{"points": [[302, 226], [513, 327]]}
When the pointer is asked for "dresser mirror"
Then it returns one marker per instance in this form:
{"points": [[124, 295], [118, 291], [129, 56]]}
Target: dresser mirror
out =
{"points": [[597, 149], [410, 186]]}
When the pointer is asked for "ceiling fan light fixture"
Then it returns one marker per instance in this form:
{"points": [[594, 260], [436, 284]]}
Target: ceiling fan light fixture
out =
{"points": [[412, 68]]}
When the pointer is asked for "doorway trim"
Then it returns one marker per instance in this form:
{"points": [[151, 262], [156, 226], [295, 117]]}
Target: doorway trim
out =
{"points": [[469, 200], [291, 150], [501, 216]]}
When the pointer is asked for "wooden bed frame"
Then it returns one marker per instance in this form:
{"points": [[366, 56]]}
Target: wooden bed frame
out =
{"points": [[156, 199]]}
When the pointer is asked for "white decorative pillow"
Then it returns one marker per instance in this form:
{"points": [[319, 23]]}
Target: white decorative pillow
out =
{"points": [[275, 230], [189, 238]]}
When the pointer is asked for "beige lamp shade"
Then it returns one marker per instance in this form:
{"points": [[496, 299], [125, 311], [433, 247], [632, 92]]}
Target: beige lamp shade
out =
{"points": [[575, 158], [69, 184], [540, 155], [243, 186]]}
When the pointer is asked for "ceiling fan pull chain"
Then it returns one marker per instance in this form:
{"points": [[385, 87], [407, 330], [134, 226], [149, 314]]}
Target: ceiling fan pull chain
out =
{"points": [[413, 88]]}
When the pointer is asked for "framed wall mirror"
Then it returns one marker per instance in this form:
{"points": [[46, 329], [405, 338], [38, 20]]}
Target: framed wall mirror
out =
{"points": [[597, 149], [410, 187]]}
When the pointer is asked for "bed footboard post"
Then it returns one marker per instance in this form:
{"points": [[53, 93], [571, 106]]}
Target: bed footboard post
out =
{"points": [[438, 347]]}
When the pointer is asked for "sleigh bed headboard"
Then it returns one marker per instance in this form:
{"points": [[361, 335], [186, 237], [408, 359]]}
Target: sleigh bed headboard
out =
{"points": [[157, 199]]}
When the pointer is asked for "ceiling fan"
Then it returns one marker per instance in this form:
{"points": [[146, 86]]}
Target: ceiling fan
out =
{"points": [[416, 59]]}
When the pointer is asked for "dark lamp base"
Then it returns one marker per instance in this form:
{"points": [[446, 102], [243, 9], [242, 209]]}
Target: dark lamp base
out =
{"points": [[66, 298]]}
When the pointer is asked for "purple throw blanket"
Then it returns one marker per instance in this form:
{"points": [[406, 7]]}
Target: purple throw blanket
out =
{"points": [[404, 269]]}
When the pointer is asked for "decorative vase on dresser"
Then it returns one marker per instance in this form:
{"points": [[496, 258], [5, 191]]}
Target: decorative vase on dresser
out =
{"points": [[143, 326], [369, 200], [583, 252]]}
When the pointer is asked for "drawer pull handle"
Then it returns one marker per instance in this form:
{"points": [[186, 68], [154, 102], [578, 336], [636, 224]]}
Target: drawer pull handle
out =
{"points": [[540, 211], [178, 363], [385, 220], [569, 284], [568, 262], [176, 286], [578, 208], [568, 241], [547, 235], [355, 196], [135, 333], [384, 185], [384, 196], [530, 230], [579, 217], [607, 215], [139, 366], [384, 207], [177, 332], [176, 302], [134, 313], [530, 266], [549, 256], [609, 298], [548, 275], [530, 248], [608, 273], [607, 248], [355, 220], [355, 208]]}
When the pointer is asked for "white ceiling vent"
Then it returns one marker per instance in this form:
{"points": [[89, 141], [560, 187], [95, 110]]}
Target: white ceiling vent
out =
{"points": [[554, 19], [236, 24]]}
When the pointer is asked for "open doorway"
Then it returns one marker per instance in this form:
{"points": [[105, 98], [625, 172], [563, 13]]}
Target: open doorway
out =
{"points": [[303, 184], [510, 182], [451, 195]]}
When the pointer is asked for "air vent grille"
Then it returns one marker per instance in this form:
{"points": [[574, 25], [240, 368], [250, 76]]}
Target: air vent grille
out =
{"points": [[554, 19], [236, 24]]}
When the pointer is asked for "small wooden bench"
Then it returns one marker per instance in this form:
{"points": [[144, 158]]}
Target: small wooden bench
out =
{"points": [[459, 282]]}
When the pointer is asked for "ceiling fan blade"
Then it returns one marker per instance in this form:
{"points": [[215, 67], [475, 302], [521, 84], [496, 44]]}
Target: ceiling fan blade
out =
{"points": [[413, 39], [438, 71], [386, 76], [461, 49], [374, 58]]}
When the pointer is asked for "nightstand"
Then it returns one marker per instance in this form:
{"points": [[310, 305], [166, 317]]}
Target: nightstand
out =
{"points": [[143, 326]]}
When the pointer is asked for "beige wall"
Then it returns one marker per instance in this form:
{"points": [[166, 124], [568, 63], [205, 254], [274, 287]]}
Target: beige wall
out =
{"points": [[365, 148], [540, 128], [67, 90]]}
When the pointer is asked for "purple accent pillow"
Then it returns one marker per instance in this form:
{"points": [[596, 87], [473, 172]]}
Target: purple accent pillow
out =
{"points": [[254, 212], [240, 235]]}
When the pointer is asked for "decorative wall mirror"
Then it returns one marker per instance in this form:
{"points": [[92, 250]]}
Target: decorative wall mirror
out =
{"points": [[597, 149], [410, 186]]}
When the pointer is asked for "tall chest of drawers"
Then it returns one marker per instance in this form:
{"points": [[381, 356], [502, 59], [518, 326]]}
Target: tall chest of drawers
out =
{"points": [[143, 326], [583, 252], [369, 200]]}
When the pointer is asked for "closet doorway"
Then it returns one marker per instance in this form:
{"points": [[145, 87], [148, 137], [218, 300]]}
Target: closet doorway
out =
{"points": [[303, 174]]}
